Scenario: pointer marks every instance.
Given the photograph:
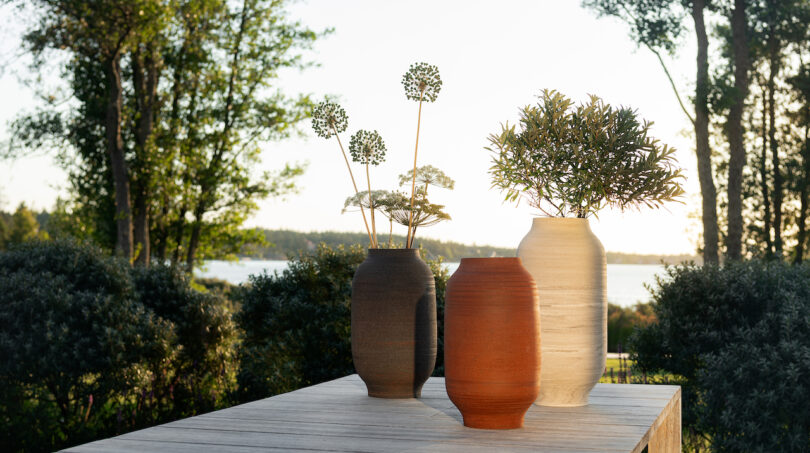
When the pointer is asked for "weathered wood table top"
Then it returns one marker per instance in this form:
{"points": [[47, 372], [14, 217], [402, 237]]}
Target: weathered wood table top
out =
{"points": [[338, 416]]}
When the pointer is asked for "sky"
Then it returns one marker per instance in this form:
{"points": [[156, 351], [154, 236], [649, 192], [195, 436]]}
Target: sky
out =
{"points": [[493, 57]]}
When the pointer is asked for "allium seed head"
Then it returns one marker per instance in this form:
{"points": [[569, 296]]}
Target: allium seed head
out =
{"points": [[329, 118], [422, 81], [367, 147]]}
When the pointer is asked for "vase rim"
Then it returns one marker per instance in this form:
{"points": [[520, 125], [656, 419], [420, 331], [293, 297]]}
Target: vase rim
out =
{"points": [[560, 219], [398, 251], [490, 264], [491, 259]]}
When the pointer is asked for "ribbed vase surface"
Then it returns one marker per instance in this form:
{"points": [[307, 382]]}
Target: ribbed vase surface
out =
{"points": [[394, 322], [492, 342], [567, 262]]}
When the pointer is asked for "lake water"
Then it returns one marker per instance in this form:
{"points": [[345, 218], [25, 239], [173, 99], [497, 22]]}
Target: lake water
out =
{"points": [[625, 281]]}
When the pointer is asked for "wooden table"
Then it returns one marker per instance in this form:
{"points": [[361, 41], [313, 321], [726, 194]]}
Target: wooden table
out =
{"points": [[339, 416]]}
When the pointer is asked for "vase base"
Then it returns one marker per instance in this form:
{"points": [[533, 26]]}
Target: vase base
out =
{"points": [[395, 395], [494, 421], [548, 403]]}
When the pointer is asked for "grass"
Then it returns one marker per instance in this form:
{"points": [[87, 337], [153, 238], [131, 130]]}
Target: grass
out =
{"points": [[635, 378]]}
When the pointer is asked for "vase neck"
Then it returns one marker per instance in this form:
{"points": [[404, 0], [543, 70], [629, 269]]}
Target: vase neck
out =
{"points": [[561, 223]]}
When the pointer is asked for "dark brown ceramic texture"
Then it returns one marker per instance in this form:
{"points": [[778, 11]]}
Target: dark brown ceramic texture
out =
{"points": [[394, 322], [492, 342]]}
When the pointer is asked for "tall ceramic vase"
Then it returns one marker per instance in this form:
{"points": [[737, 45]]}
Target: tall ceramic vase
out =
{"points": [[568, 264], [492, 342], [394, 322]]}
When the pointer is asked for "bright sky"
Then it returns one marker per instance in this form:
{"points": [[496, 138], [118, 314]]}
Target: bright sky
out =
{"points": [[494, 57]]}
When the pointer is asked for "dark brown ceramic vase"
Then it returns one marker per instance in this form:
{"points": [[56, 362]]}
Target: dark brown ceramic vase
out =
{"points": [[492, 342], [394, 322]]}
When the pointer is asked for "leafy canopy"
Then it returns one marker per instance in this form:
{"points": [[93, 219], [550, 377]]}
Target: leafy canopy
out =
{"points": [[572, 160]]}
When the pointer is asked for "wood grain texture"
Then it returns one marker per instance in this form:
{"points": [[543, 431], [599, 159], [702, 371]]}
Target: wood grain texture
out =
{"points": [[338, 416], [666, 437], [568, 264]]}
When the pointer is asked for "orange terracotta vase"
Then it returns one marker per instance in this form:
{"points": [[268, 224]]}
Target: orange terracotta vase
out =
{"points": [[492, 342]]}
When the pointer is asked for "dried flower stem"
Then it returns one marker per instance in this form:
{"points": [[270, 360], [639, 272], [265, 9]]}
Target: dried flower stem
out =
{"points": [[411, 234], [362, 211], [371, 208]]}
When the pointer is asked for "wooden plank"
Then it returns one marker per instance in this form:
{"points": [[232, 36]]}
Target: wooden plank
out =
{"points": [[666, 435], [339, 416]]}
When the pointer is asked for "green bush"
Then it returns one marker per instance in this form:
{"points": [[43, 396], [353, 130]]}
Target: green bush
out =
{"points": [[73, 340], [622, 321], [201, 375], [297, 324], [91, 348], [722, 331], [756, 390]]}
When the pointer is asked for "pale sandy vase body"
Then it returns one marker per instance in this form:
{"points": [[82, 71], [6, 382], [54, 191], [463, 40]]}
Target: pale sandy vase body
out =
{"points": [[568, 264]]}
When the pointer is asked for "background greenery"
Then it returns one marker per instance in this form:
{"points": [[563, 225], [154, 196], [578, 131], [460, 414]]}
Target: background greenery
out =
{"points": [[736, 339]]}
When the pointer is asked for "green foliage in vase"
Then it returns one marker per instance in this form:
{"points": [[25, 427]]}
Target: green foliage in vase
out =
{"points": [[573, 160]]}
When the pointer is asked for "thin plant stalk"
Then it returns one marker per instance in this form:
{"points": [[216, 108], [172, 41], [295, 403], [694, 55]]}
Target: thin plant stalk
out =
{"points": [[409, 239], [362, 211], [371, 208]]}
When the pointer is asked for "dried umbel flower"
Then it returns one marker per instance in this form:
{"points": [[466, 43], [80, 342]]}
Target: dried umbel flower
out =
{"points": [[367, 148], [422, 82], [329, 118]]}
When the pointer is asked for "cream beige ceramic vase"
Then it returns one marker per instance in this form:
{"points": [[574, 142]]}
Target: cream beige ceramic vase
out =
{"points": [[567, 262]]}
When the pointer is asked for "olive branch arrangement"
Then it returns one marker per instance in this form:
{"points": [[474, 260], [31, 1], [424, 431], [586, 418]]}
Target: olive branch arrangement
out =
{"points": [[422, 83], [569, 160]]}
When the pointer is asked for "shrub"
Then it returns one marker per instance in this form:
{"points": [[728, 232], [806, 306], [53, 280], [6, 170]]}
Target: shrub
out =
{"points": [[201, 375], [708, 318], [756, 390], [91, 348], [297, 324], [72, 342]]}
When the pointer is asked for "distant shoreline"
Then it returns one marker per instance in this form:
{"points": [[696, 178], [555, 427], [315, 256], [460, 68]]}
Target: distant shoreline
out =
{"points": [[287, 243]]}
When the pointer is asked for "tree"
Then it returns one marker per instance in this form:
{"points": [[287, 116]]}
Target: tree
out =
{"points": [[23, 227], [192, 97], [657, 25], [102, 31]]}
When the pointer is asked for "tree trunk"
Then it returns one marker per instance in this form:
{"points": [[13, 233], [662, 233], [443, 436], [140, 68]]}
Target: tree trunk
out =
{"points": [[179, 229], [702, 150], [773, 51], [118, 163], [805, 184], [763, 173], [145, 73], [194, 240], [734, 130]]}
